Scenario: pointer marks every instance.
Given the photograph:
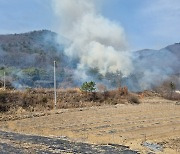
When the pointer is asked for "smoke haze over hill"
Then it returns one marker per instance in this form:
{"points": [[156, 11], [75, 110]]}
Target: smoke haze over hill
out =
{"points": [[87, 46], [28, 60]]}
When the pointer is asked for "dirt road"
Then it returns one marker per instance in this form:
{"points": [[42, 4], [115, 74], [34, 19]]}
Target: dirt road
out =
{"points": [[154, 121]]}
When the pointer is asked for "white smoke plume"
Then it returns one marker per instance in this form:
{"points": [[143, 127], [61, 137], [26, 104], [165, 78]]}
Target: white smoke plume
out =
{"points": [[95, 40]]}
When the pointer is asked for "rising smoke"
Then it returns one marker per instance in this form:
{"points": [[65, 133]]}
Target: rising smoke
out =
{"points": [[96, 41], [100, 43]]}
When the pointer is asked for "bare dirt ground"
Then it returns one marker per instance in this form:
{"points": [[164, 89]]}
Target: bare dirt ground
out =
{"points": [[154, 121]]}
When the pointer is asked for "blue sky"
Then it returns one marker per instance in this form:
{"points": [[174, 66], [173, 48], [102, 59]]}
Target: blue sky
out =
{"points": [[25, 15], [147, 23]]}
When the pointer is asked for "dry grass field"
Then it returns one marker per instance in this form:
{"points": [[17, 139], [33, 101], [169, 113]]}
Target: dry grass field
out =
{"points": [[155, 120]]}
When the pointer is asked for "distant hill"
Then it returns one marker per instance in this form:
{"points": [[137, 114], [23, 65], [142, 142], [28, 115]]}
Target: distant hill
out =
{"points": [[152, 67], [175, 49], [28, 58], [167, 59], [35, 48]]}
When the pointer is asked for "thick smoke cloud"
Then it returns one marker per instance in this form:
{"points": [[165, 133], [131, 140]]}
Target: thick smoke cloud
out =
{"points": [[94, 40], [97, 42]]}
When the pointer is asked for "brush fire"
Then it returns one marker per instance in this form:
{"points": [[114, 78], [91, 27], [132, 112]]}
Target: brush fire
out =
{"points": [[97, 96]]}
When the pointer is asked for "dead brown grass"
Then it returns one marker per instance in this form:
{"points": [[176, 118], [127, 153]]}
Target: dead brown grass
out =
{"points": [[167, 92], [28, 99], [133, 99], [43, 99]]}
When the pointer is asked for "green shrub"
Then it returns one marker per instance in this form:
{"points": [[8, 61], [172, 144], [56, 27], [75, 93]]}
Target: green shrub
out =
{"points": [[88, 86]]}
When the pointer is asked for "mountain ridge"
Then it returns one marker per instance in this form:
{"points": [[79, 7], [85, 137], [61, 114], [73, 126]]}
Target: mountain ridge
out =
{"points": [[30, 56]]}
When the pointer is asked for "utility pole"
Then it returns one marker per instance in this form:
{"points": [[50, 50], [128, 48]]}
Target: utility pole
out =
{"points": [[55, 95], [4, 80]]}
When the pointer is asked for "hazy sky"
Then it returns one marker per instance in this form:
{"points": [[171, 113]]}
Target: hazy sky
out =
{"points": [[147, 23]]}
